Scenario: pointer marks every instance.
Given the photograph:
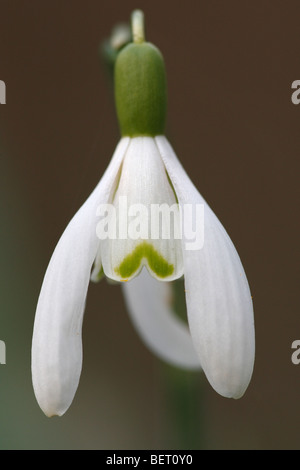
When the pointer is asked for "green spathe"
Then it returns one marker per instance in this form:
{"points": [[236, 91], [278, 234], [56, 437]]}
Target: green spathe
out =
{"points": [[140, 90], [156, 262]]}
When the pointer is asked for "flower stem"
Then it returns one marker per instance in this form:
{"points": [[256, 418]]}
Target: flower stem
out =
{"points": [[184, 394], [184, 407], [137, 24]]}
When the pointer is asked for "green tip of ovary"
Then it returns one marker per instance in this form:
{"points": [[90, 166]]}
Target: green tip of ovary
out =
{"points": [[140, 90], [156, 262]]}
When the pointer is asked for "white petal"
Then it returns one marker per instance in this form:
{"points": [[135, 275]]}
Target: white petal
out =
{"points": [[149, 306], [56, 345], [141, 239], [218, 298]]}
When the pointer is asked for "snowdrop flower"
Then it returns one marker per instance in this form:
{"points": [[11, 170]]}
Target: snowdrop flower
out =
{"points": [[144, 172]]}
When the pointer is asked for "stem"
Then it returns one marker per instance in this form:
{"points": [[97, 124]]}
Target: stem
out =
{"points": [[138, 31], [184, 395], [185, 411]]}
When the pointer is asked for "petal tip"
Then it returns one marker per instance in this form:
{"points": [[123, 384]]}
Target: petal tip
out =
{"points": [[235, 389]]}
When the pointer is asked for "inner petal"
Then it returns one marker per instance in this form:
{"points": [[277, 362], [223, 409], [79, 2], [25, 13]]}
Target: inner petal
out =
{"points": [[146, 217]]}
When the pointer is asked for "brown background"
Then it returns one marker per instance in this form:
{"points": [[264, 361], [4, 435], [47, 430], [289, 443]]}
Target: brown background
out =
{"points": [[230, 67]]}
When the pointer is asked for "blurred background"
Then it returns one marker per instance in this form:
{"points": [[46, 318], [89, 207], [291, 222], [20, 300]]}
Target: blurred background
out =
{"points": [[230, 67]]}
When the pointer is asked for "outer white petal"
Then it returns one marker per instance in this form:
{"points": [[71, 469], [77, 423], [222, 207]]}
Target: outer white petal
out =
{"points": [[218, 298], [149, 306], [57, 345]]}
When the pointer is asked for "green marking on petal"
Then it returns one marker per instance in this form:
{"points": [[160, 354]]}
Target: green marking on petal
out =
{"points": [[156, 262]]}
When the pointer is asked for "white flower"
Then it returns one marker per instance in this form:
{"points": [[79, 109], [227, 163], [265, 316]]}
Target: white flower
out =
{"points": [[218, 299], [146, 174]]}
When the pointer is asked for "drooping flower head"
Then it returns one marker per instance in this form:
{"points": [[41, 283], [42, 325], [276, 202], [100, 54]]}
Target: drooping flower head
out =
{"points": [[145, 225]]}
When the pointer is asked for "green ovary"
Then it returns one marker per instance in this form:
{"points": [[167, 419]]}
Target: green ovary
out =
{"points": [[156, 262]]}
